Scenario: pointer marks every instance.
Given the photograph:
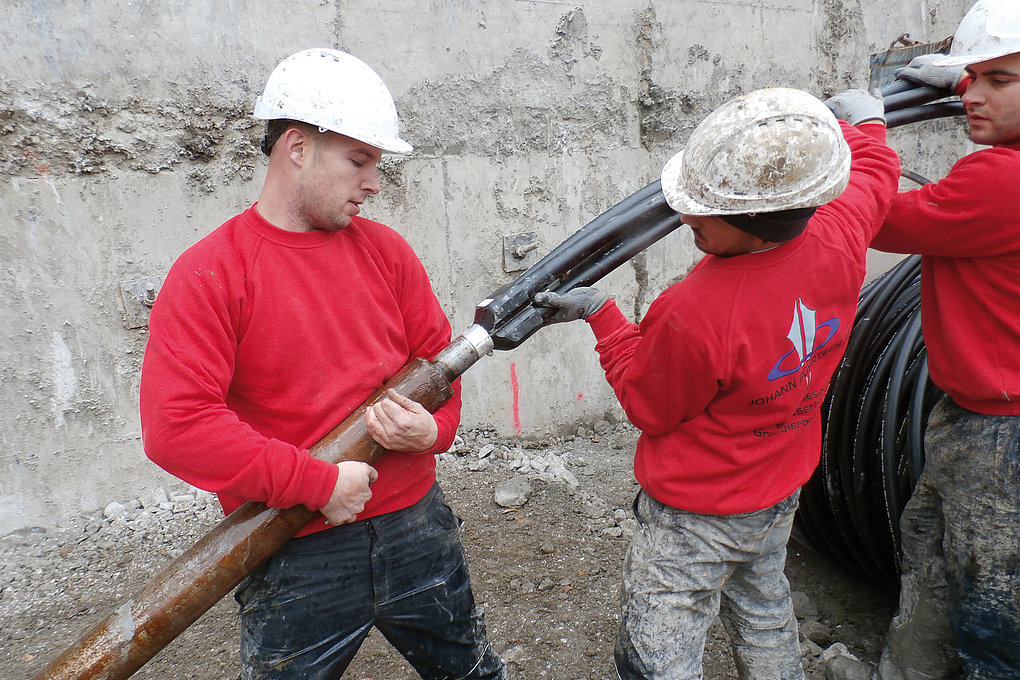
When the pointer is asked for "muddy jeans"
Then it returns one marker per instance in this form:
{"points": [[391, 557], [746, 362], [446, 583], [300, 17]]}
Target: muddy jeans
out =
{"points": [[305, 613], [683, 569], [960, 583]]}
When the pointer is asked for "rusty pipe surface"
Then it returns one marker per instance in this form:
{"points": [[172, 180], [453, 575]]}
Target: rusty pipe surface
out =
{"points": [[172, 600]]}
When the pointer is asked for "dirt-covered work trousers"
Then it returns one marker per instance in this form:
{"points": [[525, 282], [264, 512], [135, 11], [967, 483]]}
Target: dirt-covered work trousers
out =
{"points": [[960, 582], [683, 569], [305, 613]]}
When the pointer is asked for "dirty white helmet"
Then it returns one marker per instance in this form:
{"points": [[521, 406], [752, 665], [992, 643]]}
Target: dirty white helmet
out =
{"points": [[991, 29], [765, 151], [334, 91]]}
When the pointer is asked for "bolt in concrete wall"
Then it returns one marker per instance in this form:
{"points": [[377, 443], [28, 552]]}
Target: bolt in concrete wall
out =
{"points": [[126, 135]]}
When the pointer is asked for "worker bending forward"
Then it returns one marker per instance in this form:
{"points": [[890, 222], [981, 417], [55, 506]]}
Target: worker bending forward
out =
{"points": [[727, 371]]}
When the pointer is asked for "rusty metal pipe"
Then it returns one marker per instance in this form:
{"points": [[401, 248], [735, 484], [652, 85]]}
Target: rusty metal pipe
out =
{"points": [[126, 639]]}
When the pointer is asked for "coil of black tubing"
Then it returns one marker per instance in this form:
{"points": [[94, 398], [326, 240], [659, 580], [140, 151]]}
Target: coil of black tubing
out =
{"points": [[873, 421]]}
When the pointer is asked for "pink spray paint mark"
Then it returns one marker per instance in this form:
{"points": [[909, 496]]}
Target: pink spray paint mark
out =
{"points": [[517, 396], [580, 396]]}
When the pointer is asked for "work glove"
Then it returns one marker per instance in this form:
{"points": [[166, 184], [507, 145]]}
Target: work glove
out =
{"points": [[578, 303], [857, 106], [923, 70]]}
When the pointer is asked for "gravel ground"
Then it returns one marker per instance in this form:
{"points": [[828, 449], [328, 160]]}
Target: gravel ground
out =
{"points": [[546, 525]]}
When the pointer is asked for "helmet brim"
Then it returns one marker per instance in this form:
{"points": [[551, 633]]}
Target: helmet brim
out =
{"points": [[968, 59]]}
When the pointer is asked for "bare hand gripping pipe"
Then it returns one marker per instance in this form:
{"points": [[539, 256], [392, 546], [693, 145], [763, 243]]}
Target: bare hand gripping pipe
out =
{"points": [[172, 600]]}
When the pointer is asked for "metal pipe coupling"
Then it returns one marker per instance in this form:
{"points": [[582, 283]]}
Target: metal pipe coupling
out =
{"points": [[462, 353]]}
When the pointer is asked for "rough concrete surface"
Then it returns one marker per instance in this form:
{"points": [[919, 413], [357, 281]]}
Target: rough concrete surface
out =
{"points": [[126, 135]]}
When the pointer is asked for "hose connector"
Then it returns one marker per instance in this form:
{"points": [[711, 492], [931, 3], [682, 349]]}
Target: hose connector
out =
{"points": [[462, 353]]}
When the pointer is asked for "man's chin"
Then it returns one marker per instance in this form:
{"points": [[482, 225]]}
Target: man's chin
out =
{"points": [[984, 136]]}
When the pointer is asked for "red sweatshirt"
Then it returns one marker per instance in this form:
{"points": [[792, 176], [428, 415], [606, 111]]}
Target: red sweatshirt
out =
{"points": [[967, 231], [726, 373], [263, 340]]}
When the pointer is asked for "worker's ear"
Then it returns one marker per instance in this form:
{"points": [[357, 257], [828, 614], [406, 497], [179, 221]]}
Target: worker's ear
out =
{"points": [[296, 145]]}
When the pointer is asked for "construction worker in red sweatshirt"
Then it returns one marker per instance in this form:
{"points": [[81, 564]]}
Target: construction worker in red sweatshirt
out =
{"points": [[269, 332], [960, 582], [725, 374]]}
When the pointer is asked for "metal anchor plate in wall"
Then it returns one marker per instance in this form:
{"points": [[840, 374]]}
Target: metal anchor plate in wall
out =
{"points": [[520, 251], [137, 297]]}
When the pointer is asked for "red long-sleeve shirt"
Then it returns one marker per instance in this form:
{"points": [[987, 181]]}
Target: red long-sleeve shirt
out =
{"points": [[967, 230], [725, 374], [263, 340]]}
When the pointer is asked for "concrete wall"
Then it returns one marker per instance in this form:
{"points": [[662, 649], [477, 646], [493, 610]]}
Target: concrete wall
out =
{"points": [[126, 135]]}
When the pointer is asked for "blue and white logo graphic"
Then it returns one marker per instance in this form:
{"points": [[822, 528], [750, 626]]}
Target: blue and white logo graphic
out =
{"points": [[805, 338]]}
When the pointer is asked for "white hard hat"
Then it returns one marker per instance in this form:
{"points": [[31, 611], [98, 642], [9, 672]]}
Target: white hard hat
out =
{"points": [[765, 151], [991, 29], [335, 91]]}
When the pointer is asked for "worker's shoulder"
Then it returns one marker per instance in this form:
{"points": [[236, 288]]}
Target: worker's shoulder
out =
{"points": [[368, 227], [1002, 162], [223, 238], [377, 234]]}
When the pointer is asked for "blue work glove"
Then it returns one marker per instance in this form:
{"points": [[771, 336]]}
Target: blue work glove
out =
{"points": [[923, 70], [578, 303], [857, 106]]}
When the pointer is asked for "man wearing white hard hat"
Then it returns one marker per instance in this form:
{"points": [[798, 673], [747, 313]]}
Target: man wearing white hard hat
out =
{"points": [[960, 582], [268, 333], [726, 372]]}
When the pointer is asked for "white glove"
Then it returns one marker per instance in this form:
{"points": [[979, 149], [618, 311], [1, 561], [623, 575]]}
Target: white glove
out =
{"points": [[923, 70], [857, 106]]}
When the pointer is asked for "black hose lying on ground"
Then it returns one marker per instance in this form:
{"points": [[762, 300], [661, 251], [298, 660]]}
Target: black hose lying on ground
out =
{"points": [[873, 419]]}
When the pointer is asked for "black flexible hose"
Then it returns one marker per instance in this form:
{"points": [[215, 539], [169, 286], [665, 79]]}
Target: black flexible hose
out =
{"points": [[916, 114], [913, 97]]}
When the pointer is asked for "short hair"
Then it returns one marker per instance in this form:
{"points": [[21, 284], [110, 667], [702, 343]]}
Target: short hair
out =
{"points": [[275, 129]]}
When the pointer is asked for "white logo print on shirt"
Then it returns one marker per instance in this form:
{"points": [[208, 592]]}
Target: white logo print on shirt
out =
{"points": [[803, 335]]}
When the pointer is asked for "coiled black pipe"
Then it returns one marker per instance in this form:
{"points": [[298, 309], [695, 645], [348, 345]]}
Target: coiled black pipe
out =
{"points": [[878, 403], [873, 418]]}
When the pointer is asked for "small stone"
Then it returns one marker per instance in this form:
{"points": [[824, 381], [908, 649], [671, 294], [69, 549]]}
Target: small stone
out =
{"points": [[486, 450], [846, 667], [816, 632], [809, 649], [516, 654], [513, 492], [803, 606], [160, 497], [547, 548], [114, 510], [837, 649]]}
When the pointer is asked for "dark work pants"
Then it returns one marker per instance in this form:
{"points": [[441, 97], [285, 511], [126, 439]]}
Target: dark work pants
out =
{"points": [[305, 613], [960, 587]]}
